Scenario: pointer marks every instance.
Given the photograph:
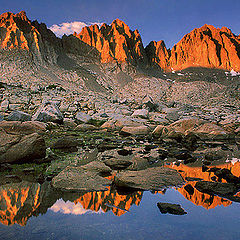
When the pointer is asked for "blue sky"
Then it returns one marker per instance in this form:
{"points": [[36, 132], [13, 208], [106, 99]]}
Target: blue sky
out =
{"points": [[169, 20]]}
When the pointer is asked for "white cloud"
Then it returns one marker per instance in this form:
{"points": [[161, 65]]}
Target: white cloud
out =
{"points": [[70, 27], [70, 208]]}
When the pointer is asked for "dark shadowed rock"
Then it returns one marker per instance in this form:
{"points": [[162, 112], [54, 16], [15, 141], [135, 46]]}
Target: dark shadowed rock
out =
{"points": [[19, 116], [149, 179], [171, 208], [65, 142], [48, 112], [221, 189], [1, 118]]}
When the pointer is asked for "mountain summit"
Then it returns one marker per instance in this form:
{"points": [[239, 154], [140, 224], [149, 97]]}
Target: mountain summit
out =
{"points": [[207, 46]]}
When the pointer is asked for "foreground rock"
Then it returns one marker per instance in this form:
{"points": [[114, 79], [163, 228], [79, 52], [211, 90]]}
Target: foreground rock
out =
{"points": [[48, 112], [23, 128], [171, 208], [17, 149], [87, 178], [149, 179]]}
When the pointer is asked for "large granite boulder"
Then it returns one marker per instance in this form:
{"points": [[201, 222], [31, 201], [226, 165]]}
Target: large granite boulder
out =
{"points": [[22, 128], [202, 129], [48, 112], [18, 149], [141, 130], [149, 179]]}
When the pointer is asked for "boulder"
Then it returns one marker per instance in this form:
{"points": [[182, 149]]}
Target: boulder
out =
{"points": [[141, 130], [4, 105], [82, 117], [98, 167], [65, 142], [19, 116], [48, 112], [143, 113], [199, 128], [69, 123], [171, 208], [26, 149], [155, 178], [85, 127], [117, 164], [216, 188], [23, 128], [212, 131], [80, 179], [1, 118]]}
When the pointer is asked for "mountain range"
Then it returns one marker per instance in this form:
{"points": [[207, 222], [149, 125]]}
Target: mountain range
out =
{"points": [[207, 46]]}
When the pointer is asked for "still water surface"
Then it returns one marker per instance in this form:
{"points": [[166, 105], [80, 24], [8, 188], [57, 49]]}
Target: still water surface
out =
{"points": [[34, 211]]}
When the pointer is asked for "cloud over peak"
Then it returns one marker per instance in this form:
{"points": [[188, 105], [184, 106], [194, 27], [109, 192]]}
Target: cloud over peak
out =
{"points": [[70, 27]]}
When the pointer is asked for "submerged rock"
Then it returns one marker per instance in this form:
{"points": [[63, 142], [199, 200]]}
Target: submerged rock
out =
{"points": [[149, 179], [171, 208]]}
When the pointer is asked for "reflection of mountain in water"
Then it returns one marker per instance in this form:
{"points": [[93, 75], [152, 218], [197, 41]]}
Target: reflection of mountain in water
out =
{"points": [[20, 201], [109, 200], [198, 198]]}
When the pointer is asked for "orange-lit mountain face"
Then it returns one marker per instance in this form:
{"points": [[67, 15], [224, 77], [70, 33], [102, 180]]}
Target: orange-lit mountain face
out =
{"points": [[18, 32], [207, 46], [115, 42]]}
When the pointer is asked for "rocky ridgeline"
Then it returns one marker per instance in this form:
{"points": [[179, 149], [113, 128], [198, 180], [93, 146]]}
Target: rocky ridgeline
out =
{"points": [[207, 46]]}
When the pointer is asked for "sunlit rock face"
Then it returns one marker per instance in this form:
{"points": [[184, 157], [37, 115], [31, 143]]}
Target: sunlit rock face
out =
{"points": [[198, 198], [115, 42], [207, 47], [18, 32]]}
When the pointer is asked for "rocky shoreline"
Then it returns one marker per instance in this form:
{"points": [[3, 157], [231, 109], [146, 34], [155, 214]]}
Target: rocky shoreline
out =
{"points": [[130, 150]]}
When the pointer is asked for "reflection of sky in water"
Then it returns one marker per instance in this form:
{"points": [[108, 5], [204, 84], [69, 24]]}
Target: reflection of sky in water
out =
{"points": [[70, 208], [141, 222]]}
